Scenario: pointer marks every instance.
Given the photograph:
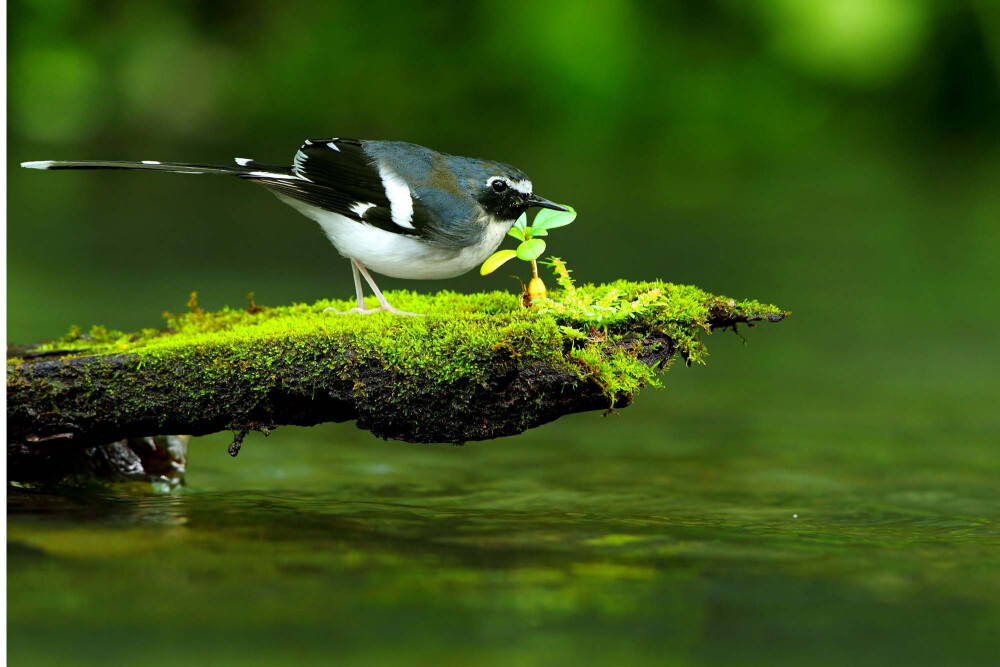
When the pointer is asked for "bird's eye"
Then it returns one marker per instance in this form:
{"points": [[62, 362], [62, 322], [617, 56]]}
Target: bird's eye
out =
{"points": [[499, 185]]}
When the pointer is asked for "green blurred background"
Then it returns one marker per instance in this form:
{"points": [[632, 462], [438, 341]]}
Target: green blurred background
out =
{"points": [[839, 158]]}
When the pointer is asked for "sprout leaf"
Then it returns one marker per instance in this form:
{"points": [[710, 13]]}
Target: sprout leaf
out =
{"points": [[496, 260], [522, 222], [530, 249], [550, 219]]}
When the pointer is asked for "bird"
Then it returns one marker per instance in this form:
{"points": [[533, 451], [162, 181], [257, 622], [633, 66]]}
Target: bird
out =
{"points": [[390, 207]]}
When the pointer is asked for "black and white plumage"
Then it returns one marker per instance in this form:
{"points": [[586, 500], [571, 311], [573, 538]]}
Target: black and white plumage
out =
{"points": [[396, 208]]}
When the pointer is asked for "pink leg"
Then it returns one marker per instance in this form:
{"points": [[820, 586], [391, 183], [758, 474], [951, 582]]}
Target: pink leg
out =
{"points": [[357, 286], [359, 293], [378, 294]]}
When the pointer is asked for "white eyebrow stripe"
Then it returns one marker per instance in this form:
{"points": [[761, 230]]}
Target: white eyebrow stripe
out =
{"points": [[524, 187], [37, 164], [333, 145], [361, 207], [243, 161], [151, 162], [398, 194]]}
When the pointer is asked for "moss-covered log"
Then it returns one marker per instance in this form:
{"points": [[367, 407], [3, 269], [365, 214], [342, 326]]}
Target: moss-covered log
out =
{"points": [[476, 367]]}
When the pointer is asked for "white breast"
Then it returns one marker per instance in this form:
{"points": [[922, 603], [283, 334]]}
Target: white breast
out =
{"points": [[396, 255]]}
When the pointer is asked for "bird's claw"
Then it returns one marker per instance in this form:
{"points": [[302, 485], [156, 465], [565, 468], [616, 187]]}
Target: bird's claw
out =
{"points": [[359, 311], [396, 311], [369, 311]]}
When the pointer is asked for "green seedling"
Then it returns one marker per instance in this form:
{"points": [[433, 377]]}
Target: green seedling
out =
{"points": [[531, 247]]}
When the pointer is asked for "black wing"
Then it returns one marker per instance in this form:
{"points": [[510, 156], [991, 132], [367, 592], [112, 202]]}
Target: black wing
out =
{"points": [[337, 175]]}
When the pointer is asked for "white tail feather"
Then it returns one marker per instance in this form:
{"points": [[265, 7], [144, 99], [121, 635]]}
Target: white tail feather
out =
{"points": [[244, 167]]}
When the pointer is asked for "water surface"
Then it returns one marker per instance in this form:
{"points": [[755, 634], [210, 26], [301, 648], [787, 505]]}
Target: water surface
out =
{"points": [[697, 527]]}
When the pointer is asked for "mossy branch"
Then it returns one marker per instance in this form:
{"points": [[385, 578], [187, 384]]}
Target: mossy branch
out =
{"points": [[478, 366]]}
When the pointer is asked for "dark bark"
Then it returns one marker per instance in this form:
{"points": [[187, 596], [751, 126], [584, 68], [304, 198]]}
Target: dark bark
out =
{"points": [[94, 405]]}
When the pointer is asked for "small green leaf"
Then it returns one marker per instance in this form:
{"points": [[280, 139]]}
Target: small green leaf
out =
{"points": [[522, 222], [572, 333], [496, 260], [516, 233], [531, 233], [530, 249], [549, 219]]}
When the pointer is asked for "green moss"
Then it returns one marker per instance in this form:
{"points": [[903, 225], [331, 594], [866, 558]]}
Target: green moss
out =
{"points": [[236, 356]]}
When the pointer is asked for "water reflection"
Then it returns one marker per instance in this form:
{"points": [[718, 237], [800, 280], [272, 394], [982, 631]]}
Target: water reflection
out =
{"points": [[544, 548]]}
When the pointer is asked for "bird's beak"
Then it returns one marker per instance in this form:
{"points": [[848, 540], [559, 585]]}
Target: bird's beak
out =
{"points": [[542, 202]]}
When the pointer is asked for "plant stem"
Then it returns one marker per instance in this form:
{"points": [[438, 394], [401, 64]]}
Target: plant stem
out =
{"points": [[534, 269]]}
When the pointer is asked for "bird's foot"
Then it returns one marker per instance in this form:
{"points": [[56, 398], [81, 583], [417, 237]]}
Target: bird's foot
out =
{"points": [[359, 311], [368, 311], [396, 311]]}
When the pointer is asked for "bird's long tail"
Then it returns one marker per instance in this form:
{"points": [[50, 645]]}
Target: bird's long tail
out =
{"points": [[244, 167]]}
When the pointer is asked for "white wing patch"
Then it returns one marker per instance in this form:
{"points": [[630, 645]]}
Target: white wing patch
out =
{"points": [[299, 165], [398, 194], [269, 174], [243, 161], [151, 162], [360, 208]]}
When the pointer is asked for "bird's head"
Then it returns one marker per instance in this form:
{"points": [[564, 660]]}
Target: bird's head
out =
{"points": [[504, 192]]}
